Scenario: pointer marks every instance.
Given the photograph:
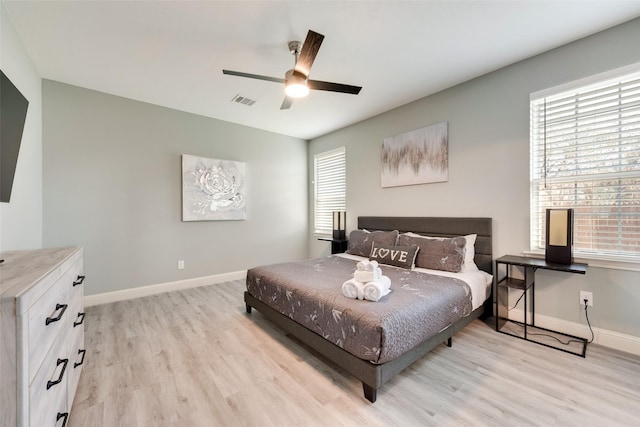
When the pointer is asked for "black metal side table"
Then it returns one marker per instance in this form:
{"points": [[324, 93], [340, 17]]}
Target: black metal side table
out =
{"points": [[338, 246], [527, 329]]}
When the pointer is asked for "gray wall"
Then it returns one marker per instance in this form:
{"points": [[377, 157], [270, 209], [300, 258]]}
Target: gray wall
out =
{"points": [[489, 167], [112, 183], [21, 218]]}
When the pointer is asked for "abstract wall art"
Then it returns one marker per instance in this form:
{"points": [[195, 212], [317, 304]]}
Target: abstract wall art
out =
{"points": [[417, 157], [213, 189]]}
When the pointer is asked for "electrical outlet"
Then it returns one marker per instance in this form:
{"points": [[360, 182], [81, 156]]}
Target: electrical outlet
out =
{"points": [[584, 295], [180, 264]]}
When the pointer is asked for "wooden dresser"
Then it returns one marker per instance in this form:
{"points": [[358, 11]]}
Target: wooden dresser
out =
{"points": [[41, 335]]}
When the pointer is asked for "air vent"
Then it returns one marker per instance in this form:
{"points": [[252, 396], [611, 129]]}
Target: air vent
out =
{"points": [[243, 100]]}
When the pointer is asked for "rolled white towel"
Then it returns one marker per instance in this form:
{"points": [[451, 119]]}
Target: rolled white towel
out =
{"points": [[375, 290], [366, 265], [368, 276], [353, 289]]}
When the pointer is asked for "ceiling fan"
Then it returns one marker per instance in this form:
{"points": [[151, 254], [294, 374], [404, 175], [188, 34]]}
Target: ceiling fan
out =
{"points": [[296, 81]]}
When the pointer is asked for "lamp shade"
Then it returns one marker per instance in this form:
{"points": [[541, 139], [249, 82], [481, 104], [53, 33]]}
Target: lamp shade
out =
{"points": [[559, 236]]}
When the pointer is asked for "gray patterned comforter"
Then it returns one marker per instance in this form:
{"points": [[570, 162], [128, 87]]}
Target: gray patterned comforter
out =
{"points": [[310, 292]]}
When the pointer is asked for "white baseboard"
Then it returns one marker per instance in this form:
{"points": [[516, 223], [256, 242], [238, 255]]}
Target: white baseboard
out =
{"points": [[159, 288], [607, 338]]}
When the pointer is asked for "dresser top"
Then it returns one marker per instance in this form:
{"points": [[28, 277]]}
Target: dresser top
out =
{"points": [[22, 269]]}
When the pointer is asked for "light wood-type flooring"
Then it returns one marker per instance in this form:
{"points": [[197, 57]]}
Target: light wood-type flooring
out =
{"points": [[195, 358]]}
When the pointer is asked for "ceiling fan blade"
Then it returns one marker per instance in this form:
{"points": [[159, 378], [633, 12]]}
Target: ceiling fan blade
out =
{"points": [[253, 76], [308, 53], [286, 104], [333, 87]]}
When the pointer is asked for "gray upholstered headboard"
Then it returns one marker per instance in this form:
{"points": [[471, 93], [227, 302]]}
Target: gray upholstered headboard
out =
{"points": [[440, 227]]}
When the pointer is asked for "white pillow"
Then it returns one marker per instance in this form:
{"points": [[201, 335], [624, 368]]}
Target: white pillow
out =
{"points": [[469, 250]]}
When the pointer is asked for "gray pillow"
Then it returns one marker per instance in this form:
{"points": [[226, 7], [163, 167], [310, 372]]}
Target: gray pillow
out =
{"points": [[360, 241], [398, 256], [437, 254]]}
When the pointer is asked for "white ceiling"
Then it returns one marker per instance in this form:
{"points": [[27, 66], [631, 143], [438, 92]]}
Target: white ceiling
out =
{"points": [[171, 53]]}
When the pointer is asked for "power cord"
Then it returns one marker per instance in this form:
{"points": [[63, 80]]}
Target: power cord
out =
{"points": [[514, 305], [557, 339], [586, 314]]}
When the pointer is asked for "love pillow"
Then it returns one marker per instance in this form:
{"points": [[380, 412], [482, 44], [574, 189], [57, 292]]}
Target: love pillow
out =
{"points": [[397, 256]]}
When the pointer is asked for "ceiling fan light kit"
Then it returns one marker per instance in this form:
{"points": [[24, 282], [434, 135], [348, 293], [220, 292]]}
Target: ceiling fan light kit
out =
{"points": [[295, 85], [296, 81]]}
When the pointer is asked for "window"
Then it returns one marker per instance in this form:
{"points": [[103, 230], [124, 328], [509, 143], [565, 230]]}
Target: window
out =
{"points": [[585, 155], [330, 188]]}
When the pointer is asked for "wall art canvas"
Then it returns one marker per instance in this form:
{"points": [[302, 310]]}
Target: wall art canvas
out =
{"points": [[417, 157], [213, 189]]}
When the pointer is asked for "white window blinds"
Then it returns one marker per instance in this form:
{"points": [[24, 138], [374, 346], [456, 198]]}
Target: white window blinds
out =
{"points": [[330, 188], [585, 155]]}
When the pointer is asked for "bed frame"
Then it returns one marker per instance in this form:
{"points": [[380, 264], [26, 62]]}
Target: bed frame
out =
{"points": [[373, 376]]}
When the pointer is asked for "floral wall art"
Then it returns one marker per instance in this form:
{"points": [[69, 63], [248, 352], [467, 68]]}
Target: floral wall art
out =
{"points": [[416, 157], [213, 189]]}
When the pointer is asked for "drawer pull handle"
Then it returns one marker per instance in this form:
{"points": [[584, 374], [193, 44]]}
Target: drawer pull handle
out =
{"points": [[82, 352], [62, 308], [79, 322], [79, 281], [64, 363], [64, 415]]}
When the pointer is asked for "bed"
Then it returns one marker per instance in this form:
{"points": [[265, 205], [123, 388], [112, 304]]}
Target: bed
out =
{"points": [[304, 299]]}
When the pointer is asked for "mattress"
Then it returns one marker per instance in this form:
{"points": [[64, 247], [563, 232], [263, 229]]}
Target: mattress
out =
{"points": [[419, 306], [479, 281]]}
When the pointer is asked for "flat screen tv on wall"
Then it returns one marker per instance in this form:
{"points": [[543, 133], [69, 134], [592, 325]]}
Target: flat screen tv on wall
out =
{"points": [[13, 112]]}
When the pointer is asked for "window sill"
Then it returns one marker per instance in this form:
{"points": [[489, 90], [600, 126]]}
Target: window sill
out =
{"points": [[595, 261]]}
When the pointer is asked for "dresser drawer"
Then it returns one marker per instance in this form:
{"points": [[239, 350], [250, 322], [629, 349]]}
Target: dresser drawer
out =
{"points": [[76, 287], [47, 318], [56, 415], [77, 358], [48, 391], [77, 351], [75, 320]]}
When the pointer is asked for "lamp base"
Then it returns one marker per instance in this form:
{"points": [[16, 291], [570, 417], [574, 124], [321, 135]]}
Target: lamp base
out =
{"points": [[558, 255]]}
